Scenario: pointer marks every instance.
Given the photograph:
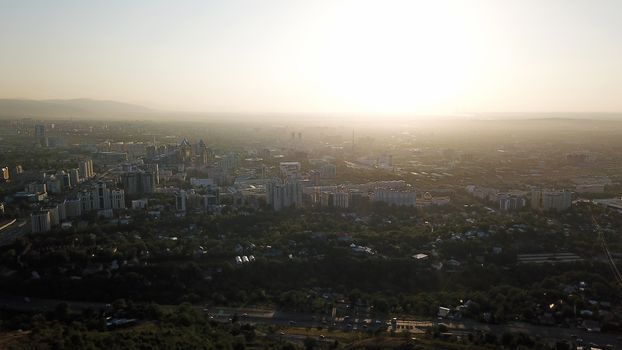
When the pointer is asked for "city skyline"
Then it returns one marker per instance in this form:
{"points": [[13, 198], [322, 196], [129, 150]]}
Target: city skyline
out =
{"points": [[311, 175]]}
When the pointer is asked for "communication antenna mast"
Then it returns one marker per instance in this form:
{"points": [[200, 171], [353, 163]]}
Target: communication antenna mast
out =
{"points": [[601, 239]]}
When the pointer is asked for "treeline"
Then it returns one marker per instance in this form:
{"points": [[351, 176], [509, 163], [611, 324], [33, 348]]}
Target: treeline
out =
{"points": [[389, 285], [152, 327]]}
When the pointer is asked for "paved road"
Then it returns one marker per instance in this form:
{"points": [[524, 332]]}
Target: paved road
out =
{"points": [[282, 318], [545, 332], [10, 233]]}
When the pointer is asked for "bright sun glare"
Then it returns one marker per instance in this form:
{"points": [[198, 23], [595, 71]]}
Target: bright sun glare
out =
{"points": [[410, 56]]}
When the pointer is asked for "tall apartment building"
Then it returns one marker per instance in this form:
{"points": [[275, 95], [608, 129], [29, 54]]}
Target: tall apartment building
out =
{"points": [[153, 168], [73, 208], [86, 169], [17, 170], [54, 213], [40, 221], [341, 199], [65, 180], [53, 184], [228, 162], [395, 197], [328, 171], [100, 197], [40, 137], [181, 198], [284, 194], [509, 201], [551, 200], [357, 198], [5, 174], [74, 176], [289, 168], [36, 187], [315, 176], [138, 182], [117, 199]]}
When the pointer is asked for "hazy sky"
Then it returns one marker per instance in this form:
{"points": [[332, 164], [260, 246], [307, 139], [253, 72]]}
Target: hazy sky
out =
{"points": [[318, 56]]}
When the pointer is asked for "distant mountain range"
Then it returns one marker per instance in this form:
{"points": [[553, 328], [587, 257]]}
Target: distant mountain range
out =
{"points": [[112, 110], [75, 108]]}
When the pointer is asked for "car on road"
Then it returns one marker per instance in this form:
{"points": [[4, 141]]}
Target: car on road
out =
{"points": [[292, 323]]}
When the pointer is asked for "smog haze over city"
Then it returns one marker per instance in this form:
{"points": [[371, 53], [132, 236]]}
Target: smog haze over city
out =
{"points": [[317, 175]]}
